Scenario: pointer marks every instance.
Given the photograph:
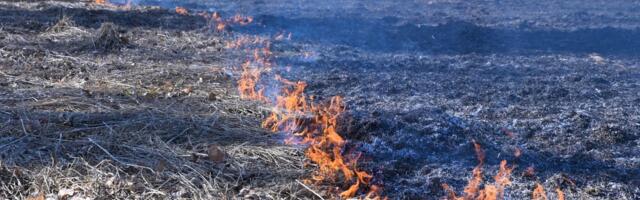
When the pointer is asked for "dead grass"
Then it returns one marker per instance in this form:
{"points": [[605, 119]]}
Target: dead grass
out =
{"points": [[132, 123]]}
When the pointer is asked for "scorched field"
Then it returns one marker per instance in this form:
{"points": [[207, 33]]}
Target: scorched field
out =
{"points": [[301, 99]]}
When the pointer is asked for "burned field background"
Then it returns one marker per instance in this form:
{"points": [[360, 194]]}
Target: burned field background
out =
{"points": [[102, 101]]}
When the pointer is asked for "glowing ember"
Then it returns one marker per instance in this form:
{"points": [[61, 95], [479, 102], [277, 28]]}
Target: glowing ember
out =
{"points": [[182, 11]]}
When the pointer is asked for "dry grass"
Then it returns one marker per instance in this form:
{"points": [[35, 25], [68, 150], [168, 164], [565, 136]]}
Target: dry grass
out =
{"points": [[88, 122]]}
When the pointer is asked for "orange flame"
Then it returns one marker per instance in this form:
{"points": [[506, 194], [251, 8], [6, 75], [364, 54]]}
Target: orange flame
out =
{"points": [[560, 194], [317, 125], [181, 10], [248, 82], [221, 26], [242, 20], [538, 193], [490, 191], [101, 1], [307, 123]]}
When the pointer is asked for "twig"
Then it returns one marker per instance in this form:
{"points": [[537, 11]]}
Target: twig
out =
{"points": [[117, 160], [12, 142], [23, 128], [310, 190]]}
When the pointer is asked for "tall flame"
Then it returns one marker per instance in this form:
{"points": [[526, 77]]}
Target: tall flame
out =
{"points": [[247, 84], [314, 125]]}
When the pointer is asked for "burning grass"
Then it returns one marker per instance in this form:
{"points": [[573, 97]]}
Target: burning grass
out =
{"points": [[146, 112], [308, 123]]}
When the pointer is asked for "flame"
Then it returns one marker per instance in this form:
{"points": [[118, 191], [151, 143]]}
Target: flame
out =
{"points": [[538, 193], [181, 10], [316, 126], [247, 84], [220, 24], [242, 20], [560, 194], [306, 122], [490, 191], [126, 6], [245, 41]]}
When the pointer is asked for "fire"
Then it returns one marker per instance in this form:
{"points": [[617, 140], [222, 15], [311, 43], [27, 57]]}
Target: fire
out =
{"points": [[242, 20], [490, 191], [560, 194], [125, 6], [247, 84], [181, 10], [220, 24], [538, 193], [317, 126], [244, 41], [306, 122]]}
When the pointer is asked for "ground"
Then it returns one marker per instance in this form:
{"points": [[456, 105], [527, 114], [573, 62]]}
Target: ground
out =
{"points": [[100, 101]]}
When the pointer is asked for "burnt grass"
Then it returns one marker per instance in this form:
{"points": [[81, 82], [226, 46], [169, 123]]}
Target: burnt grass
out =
{"points": [[102, 102], [418, 95]]}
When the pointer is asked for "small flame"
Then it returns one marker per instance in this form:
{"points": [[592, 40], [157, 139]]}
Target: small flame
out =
{"points": [[490, 191], [538, 193], [242, 20], [560, 194], [517, 152], [181, 10], [126, 6]]}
